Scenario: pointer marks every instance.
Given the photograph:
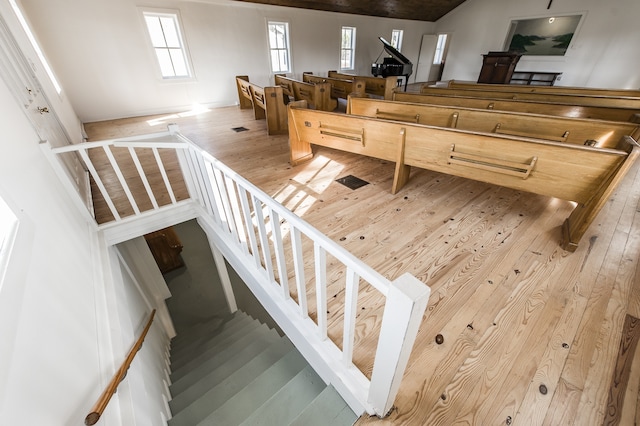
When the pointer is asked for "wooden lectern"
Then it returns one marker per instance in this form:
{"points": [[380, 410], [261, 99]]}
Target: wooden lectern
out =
{"points": [[498, 67]]}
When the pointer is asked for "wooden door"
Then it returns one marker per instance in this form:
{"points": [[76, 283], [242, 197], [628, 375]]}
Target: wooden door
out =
{"points": [[425, 58], [165, 247], [22, 72]]}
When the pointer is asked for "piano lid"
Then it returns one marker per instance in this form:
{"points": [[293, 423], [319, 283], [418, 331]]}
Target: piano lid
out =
{"points": [[394, 52]]}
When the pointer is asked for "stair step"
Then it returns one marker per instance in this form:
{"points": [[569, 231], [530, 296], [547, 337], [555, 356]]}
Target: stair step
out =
{"points": [[189, 361], [203, 328], [204, 336], [233, 330], [326, 408], [258, 338], [288, 402], [252, 358], [227, 403]]}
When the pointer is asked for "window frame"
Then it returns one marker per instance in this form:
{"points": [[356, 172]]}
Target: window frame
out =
{"points": [[397, 45], [174, 14], [286, 49], [8, 235], [441, 47], [351, 48]]}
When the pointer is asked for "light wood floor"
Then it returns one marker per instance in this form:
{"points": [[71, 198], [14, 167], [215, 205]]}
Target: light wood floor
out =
{"points": [[531, 334]]}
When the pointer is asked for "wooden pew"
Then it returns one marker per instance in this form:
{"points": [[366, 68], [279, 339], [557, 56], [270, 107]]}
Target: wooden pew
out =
{"points": [[585, 175], [591, 100], [377, 86], [569, 90], [600, 133], [317, 95], [545, 108], [340, 88], [267, 103]]}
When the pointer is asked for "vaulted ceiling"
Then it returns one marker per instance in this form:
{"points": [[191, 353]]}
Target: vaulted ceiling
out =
{"points": [[419, 10]]}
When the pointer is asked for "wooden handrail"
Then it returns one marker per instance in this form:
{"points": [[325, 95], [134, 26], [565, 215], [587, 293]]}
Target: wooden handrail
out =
{"points": [[99, 407]]}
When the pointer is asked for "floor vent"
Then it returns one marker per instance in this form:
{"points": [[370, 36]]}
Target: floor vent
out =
{"points": [[352, 182], [239, 129]]}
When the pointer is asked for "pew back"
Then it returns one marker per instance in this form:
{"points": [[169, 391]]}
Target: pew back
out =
{"points": [[458, 84], [267, 103], [339, 88], [533, 107], [377, 86], [568, 99], [604, 134], [569, 172], [244, 91], [318, 95]]}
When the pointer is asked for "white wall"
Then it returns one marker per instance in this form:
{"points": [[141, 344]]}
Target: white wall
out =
{"points": [[65, 324], [142, 395], [603, 53], [99, 50], [49, 365], [58, 103]]}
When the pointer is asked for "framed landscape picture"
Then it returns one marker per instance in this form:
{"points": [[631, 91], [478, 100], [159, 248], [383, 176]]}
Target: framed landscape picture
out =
{"points": [[548, 36]]}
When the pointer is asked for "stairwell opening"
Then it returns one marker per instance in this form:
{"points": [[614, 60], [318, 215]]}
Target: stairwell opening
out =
{"points": [[196, 290]]}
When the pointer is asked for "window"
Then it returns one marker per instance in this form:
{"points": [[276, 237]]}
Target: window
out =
{"points": [[8, 228], [168, 44], [396, 39], [348, 48], [279, 46], [440, 47]]}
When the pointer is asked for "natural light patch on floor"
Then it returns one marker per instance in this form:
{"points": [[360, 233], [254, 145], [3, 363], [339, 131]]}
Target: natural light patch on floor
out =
{"points": [[302, 191], [197, 109], [322, 171]]}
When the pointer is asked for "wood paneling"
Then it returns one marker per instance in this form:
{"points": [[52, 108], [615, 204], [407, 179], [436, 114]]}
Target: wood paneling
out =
{"points": [[420, 10], [515, 310]]}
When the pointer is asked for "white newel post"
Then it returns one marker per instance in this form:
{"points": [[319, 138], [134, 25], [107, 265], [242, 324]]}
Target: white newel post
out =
{"points": [[405, 306]]}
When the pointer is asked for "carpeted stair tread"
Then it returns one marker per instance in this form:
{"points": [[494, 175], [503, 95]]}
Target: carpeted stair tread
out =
{"points": [[232, 330], [346, 417], [328, 408], [253, 357], [191, 362], [215, 334], [289, 401], [259, 337], [235, 370], [203, 328], [238, 407], [240, 384]]}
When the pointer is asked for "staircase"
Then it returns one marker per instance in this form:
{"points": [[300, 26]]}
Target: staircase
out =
{"points": [[238, 371]]}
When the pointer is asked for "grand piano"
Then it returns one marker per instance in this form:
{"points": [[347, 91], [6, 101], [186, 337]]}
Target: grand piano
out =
{"points": [[396, 64]]}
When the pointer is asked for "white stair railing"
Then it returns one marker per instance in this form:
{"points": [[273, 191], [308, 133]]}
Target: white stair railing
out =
{"points": [[259, 231]]}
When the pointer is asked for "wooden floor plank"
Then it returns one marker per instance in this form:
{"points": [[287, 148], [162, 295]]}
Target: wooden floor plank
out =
{"points": [[546, 379], [593, 402], [622, 370]]}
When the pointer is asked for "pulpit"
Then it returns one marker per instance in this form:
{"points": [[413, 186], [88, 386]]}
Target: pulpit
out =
{"points": [[498, 67]]}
